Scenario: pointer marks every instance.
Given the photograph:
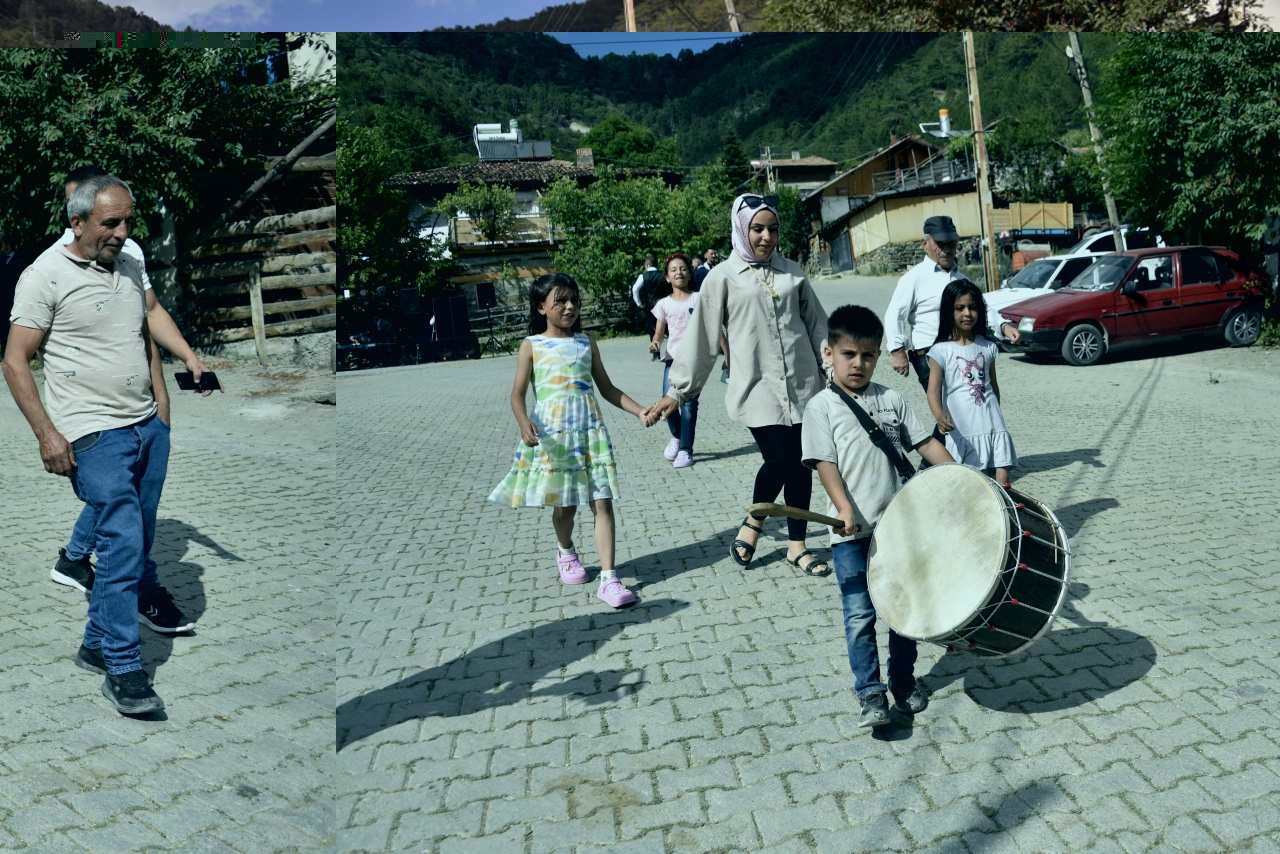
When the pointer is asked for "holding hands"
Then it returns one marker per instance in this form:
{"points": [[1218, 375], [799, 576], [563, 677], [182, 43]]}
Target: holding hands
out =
{"points": [[658, 411]]}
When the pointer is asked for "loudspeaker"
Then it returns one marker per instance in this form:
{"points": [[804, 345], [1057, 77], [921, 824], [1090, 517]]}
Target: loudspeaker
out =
{"points": [[461, 320], [486, 295], [409, 301]]}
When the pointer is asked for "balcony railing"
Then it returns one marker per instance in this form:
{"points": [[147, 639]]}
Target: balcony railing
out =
{"points": [[934, 171]]}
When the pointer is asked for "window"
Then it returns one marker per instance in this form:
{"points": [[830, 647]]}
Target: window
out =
{"points": [[1104, 243], [1154, 273], [1201, 268], [1069, 271]]}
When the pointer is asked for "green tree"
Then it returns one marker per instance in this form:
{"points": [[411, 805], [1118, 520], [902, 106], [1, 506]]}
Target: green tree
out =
{"points": [[1192, 122], [735, 163], [1011, 15], [378, 243], [616, 140], [492, 207], [160, 119]]}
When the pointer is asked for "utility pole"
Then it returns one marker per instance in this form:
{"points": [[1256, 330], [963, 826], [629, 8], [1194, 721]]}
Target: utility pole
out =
{"points": [[629, 13], [990, 267], [768, 170], [1114, 218], [732, 14]]}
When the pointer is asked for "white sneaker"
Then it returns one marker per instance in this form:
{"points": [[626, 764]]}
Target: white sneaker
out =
{"points": [[683, 460], [673, 447]]}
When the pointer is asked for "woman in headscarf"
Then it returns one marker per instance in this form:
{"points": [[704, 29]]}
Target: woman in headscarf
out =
{"points": [[776, 329]]}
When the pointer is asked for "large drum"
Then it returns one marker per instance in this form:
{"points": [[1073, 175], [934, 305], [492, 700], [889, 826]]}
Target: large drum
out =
{"points": [[958, 560]]}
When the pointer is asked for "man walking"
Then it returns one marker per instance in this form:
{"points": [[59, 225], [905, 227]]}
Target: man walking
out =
{"points": [[73, 567], [699, 272], [642, 293], [918, 296], [83, 309]]}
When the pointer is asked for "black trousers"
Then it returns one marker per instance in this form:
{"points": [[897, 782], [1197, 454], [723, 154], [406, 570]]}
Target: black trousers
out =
{"points": [[783, 472], [921, 364]]}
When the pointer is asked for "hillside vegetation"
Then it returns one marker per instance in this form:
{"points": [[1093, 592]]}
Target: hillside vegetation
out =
{"points": [[40, 23], [837, 95]]}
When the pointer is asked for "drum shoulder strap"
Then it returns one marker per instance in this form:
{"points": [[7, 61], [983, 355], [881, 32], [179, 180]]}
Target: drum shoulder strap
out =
{"points": [[878, 437]]}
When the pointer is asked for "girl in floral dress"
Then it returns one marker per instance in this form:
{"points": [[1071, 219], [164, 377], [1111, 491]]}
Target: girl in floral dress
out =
{"points": [[565, 457]]}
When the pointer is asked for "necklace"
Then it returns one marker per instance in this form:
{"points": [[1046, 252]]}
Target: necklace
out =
{"points": [[766, 280], [569, 363]]}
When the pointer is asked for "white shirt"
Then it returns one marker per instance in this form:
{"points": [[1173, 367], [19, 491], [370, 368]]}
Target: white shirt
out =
{"points": [[130, 248], [638, 286], [916, 301]]}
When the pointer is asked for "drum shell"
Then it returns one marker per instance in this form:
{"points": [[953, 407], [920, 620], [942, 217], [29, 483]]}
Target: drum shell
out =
{"points": [[1012, 585]]}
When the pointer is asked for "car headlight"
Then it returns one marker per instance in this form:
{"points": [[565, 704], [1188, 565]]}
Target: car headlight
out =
{"points": [[1027, 324]]}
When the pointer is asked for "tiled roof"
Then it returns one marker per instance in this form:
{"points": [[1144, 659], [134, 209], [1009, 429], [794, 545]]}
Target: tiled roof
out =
{"points": [[492, 171], [803, 161]]}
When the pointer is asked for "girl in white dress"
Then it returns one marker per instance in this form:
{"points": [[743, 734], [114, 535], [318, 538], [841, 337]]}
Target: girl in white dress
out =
{"points": [[963, 392]]}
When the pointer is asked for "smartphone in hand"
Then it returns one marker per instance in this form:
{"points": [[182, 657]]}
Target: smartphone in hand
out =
{"points": [[187, 382]]}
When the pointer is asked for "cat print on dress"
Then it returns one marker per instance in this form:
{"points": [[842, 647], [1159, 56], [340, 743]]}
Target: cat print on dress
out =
{"points": [[974, 372]]}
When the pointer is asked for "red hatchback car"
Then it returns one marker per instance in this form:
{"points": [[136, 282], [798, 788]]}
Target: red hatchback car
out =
{"points": [[1143, 296]]}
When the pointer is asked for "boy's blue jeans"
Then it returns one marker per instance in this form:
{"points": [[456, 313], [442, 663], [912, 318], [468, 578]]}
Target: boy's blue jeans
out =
{"points": [[684, 421], [119, 477], [860, 624]]}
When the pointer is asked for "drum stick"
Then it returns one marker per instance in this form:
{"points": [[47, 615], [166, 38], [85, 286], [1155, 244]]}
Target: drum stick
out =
{"points": [[760, 511]]}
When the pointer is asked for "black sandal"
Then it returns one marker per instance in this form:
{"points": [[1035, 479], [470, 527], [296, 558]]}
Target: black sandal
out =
{"points": [[743, 544], [804, 570]]}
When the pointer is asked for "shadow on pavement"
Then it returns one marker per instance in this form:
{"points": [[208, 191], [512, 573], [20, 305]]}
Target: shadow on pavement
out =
{"points": [[1073, 516], [1065, 669], [181, 578], [503, 672], [1033, 463], [722, 455]]}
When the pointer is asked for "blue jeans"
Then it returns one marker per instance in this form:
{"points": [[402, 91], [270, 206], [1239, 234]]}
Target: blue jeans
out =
{"points": [[684, 421], [860, 625], [119, 476]]}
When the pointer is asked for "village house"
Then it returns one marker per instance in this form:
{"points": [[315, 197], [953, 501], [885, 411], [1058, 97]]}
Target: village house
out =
{"points": [[799, 173]]}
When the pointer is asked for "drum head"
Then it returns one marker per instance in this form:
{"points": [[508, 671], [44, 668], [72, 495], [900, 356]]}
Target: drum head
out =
{"points": [[938, 551]]}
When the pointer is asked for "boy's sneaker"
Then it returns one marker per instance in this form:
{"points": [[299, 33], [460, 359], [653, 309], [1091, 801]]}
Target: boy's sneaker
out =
{"points": [[73, 573], [90, 659], [673, 448], [157, 612], [875, 710], [571, 569], [613, 594], [910, 702], [131, 693], [683, 460]]}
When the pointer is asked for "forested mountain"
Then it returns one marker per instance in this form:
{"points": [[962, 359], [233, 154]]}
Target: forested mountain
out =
{"points": [[651, 15], [40, 23], [837, 95]]}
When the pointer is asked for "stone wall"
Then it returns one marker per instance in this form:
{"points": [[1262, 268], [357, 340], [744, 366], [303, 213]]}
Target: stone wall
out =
{"points": [[889, 258]]}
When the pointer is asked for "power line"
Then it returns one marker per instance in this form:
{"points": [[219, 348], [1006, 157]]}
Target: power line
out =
{"points": [[718, 37]]}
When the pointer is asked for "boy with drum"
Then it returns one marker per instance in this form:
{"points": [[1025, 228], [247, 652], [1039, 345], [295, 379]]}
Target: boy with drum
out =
{"points": [[855, 465]]}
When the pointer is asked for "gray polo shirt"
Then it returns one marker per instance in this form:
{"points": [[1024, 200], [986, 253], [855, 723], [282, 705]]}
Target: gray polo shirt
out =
{"points": [[832, 434], [95, 361]]}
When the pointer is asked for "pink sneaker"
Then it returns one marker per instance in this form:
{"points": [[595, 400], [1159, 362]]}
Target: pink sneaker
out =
{"points": [[571, 569], [673, 447], [613, 594], [683, 460]]}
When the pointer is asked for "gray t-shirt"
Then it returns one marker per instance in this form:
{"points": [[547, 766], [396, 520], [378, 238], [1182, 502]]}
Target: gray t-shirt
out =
{"points": [[95, 360], [832, 434]]}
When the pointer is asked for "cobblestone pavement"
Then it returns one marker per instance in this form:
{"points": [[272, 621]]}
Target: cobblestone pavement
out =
{"points": [[483, 707], [241, 759]]}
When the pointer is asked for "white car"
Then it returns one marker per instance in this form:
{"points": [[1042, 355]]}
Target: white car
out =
{"points": [[1103, 242], [1041, 276]]}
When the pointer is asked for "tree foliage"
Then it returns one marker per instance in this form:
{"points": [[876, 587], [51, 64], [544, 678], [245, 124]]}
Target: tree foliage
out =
{"points": [[611, 225], [378, 244], [160, 119], [1013, 15], [1194, 127], [616, 140], [492, 207]]}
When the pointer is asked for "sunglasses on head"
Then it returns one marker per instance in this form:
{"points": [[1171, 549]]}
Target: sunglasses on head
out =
{"points": [[754, 201]]}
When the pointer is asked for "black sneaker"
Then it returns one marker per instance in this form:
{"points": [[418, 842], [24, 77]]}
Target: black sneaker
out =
{"points": [[875, 710], [131, 693], [73, 573], [91, 660], [911, 702], [157, 612]]}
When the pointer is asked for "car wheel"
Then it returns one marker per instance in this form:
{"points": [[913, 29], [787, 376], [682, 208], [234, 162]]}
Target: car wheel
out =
{"points": [[1243, 327], [1082, 345]]}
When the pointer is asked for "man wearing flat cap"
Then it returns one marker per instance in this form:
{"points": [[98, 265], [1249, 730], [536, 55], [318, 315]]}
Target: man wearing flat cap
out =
{"points": [[918, 296]]}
